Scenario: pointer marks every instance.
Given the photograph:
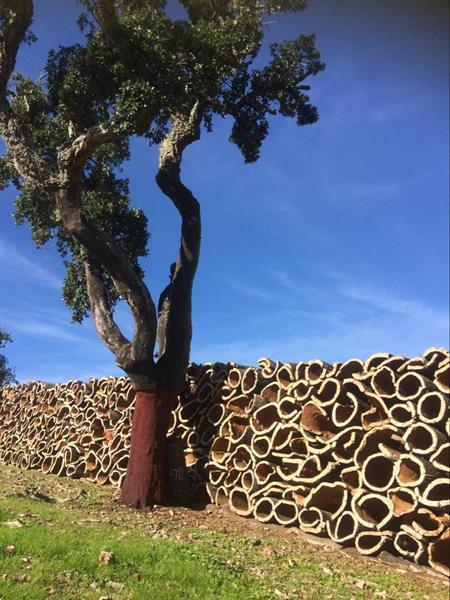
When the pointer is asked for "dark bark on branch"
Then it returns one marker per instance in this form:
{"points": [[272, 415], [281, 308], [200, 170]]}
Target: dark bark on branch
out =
{"points": [[106, 15], [17, 18], [134, 357], [171, 366]]}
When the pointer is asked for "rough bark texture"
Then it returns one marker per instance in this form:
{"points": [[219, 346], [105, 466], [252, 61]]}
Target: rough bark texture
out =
{"points": [[173, 363], [134, 357], [144, 482], [17, 19]]}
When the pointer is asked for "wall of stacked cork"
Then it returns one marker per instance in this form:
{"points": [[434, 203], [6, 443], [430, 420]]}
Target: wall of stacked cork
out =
{"points": [[356, 451]]}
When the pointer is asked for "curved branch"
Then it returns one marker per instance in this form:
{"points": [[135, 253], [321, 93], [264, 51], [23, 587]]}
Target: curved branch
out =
{"points": [[172, 364], [17, 17], [106, 14], [136, 357], [71, 160], [101, 312], [26, 162]]}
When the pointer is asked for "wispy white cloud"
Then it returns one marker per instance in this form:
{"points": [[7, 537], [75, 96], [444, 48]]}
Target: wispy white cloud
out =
{"points": [[374, 104], [16, 262], [345, 318], [377, 190], [388, 302], [255, 291], [38, 329], [42, 323], [66, 370], [336, 340]]}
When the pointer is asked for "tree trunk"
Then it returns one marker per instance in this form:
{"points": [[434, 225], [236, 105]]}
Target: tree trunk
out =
{"points": [[144, 481]]}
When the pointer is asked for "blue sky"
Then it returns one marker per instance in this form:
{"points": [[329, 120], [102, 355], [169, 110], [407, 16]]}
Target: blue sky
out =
{"points": [[335, 244]]}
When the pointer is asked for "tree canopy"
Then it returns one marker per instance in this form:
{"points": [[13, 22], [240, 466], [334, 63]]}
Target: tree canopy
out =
{"points": [[137, 69]]}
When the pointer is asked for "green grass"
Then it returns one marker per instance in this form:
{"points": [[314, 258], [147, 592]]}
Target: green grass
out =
{"points": [[163, 555]]}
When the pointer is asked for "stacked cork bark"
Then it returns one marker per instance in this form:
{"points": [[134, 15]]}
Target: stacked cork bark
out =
{"points": [[75, 429], [80, 429], [358, 451]]}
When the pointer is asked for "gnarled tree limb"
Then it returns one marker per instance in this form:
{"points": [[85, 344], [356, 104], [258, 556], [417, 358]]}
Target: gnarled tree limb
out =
{"points": [[71, 160], [174, 360], [101, 312], [135, 357], [16, 18]]}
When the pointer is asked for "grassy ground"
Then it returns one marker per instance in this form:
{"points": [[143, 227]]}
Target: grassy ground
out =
{"points": [[51, 550]]}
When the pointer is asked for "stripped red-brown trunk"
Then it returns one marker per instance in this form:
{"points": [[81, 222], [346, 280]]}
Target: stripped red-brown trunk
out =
{"points": [[144, 481]]}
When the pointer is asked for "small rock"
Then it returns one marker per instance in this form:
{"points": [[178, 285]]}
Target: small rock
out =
{"points": [[9, 549], [268, 552], [360, 584], [115, 585], [106, 558], [171, 513], [414, 568], [12, 524], [327, 571]]}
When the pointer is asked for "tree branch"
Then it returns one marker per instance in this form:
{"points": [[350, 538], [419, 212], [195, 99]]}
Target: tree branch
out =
{"points": [[26, 162], [106, 16], [17, 17], [175, 358], [105, 13], [136, 358], [101, 312], [71, 160]]}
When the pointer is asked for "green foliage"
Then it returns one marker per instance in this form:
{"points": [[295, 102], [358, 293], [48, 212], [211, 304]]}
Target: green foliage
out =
{"points": [[105, 202], [132, 77], [7, 374]]}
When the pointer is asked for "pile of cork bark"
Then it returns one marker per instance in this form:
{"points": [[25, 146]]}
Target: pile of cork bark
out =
{"points": [[83, 429], [356, 451]]}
